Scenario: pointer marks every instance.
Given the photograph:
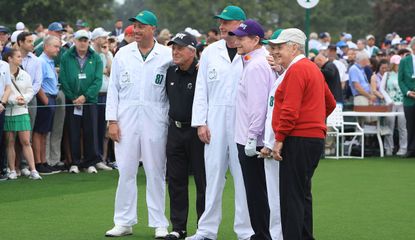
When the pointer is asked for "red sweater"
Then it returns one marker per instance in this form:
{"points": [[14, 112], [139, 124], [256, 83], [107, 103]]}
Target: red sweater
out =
{"points": [[302, 103]]}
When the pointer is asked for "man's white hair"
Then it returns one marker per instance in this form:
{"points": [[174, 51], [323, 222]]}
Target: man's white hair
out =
{"points": [[301, 47], [361, 55], [49, 40]]}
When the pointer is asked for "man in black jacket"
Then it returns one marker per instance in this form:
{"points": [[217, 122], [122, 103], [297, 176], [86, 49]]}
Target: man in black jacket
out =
{"points": [[331, 75]]}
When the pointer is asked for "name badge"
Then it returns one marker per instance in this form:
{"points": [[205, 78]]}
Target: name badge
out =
{"points": [[82, 76], [78, 110]]}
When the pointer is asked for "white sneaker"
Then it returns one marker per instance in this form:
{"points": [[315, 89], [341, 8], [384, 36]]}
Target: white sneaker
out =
{"points": [[35, 175], [196, 237], [160, 233], [401, 152], [25, 172], [103, 166], [74, 169], [92, 169], [119, 231], [12, 175]]}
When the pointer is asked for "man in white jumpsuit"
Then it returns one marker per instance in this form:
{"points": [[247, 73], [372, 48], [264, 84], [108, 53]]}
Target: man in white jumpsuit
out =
{"points": [[214, 115], [137, 108], [271, 166]]}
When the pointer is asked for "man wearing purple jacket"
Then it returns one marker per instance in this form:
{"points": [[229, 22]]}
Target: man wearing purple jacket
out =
{"points": [[251, 110]]}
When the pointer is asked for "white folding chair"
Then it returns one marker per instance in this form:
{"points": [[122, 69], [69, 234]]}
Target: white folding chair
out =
{"points": [[336, 126]]}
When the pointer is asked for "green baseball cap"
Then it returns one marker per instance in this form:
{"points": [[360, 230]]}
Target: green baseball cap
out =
{"points": [[273, 36], [145, 17], [232, 13]]}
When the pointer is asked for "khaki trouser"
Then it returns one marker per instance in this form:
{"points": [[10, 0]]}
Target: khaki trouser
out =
{"points": [[53, 142]]}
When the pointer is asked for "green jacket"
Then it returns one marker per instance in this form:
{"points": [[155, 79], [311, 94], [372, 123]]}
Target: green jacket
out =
{"points": [[406, 80], [72, 86]]}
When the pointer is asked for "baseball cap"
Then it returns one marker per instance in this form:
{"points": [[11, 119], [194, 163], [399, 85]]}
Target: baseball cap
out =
{"points": [[145, 17], [323, 35], [273, 36], [232, 13], [183, 39], [370, 36], [395, 59], [13, 37], [99, 32], [56, 27], [129, 30], [248, 28], [341, 44], [20, 26], [4, 29], [290, 35], [81, 34], [81, 23], [348, 36]]}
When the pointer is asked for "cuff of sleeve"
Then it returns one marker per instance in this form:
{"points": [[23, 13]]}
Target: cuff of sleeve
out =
{"points": [[252, 136], [280, 137]]}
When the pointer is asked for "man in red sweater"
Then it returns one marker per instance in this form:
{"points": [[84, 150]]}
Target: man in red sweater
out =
{"points": [[302, 103]]}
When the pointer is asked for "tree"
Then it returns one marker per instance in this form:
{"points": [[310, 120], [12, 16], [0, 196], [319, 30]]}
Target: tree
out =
{"points": [[394, 16], [47, 11]]}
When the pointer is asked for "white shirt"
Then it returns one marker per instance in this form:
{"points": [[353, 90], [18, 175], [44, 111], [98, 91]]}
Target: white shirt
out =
{"points": [[5, 78], [342, 70]]}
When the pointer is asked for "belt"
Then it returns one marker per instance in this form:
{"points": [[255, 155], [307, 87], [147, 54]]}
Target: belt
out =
{"points": [[102, 94], [50, 95], [179, 124]]}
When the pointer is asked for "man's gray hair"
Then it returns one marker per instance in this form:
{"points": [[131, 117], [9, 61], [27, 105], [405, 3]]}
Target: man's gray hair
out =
{"points": [[361, 55], [301, 47], [49, 40]]}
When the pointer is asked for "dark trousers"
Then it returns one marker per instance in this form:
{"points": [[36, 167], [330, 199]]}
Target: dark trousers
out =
{"points": [[102, 124], [253, 173], [300, 158], [3, 164], [410, 127], [86, 122], [184, 149]]}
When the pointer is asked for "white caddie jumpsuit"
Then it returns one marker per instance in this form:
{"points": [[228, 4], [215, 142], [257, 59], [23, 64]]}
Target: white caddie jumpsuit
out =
{"points": [[137, 99], [214, 106], [272, 167]]}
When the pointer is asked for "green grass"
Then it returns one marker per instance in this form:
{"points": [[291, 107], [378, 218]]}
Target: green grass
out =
{"points": [[353, 199]]}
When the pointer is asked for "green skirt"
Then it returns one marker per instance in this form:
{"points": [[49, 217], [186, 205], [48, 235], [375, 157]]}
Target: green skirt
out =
{"points": [[17, 123]]}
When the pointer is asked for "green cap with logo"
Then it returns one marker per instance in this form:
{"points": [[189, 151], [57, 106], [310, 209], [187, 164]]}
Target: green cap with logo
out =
{"points": [[145, 17], [232, 13], [273, 36]]}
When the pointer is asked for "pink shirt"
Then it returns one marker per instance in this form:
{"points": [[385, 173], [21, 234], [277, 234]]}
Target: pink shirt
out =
{"points": [[252, 97]]}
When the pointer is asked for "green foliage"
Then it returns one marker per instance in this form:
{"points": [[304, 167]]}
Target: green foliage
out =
{"points": [[47, 11], [395, 16]]}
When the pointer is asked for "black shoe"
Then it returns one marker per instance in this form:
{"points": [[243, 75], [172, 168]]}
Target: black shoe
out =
{"points": [[3, 177], [52, 169], [176, 235], [62, 168], [42, 170], [408, 155]]}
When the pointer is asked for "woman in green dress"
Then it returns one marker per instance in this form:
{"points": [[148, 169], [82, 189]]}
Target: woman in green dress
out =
{"points": [[17, 120]]}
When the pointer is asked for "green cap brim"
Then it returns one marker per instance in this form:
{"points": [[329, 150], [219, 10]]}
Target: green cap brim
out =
{"points": [[224, 17], [143, 21]]}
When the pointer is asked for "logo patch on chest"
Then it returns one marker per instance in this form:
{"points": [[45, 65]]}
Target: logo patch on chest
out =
{"points": [[189, 86]]}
